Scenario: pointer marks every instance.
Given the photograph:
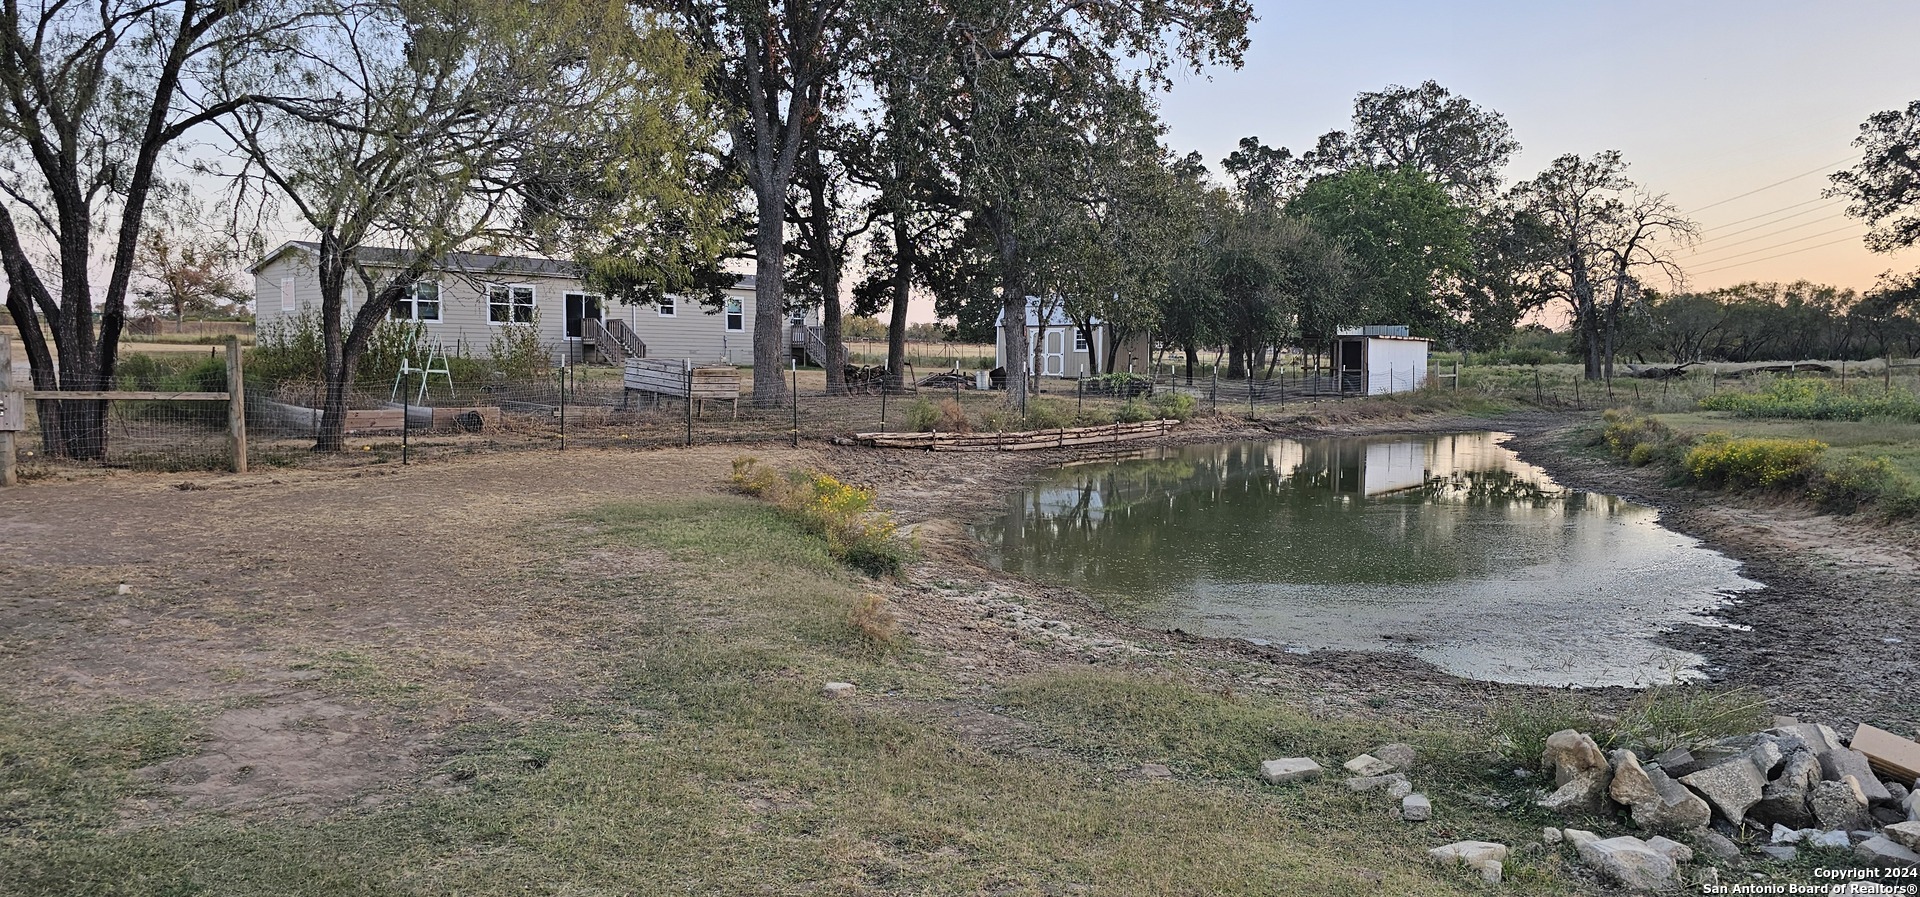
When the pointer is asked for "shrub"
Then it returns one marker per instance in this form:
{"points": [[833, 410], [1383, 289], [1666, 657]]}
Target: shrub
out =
{"points": [[517, 351], [1767, 463], [1175, 405], [953, 418], [1048, 414], [841, 514], [1121, 385], [1133, 412], [922, 415]]}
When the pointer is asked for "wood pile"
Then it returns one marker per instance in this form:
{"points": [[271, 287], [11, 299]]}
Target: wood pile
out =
{"points": [[1031, 440], [946, 380]]}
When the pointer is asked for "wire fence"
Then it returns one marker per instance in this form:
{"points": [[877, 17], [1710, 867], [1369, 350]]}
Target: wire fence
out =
{"points": [[584, 407]]}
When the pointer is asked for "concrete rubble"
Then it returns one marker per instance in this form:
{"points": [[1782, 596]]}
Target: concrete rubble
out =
{"points": [[1796, 786], [1289, 769]]}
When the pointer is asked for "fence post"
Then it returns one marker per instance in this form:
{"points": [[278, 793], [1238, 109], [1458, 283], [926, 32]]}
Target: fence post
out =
{"points": [[687, 372], [796, 403], [563, 408], [1213, 394], [883, 405], [406, 419], [236, 403], [1889, 372], [13, 413], [1539, 395], [1252, 414]]}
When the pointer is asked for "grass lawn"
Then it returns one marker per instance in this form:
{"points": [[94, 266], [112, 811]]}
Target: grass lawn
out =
{"points": [[704, 760]]}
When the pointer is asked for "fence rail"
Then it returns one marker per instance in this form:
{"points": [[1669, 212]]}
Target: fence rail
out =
{"points": [[276, 422]]}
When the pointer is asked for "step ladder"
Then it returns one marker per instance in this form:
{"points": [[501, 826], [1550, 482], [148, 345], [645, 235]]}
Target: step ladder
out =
{"points": [[436, 363]]}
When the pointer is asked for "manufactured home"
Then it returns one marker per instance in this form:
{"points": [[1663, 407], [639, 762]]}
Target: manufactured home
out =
{"points": [[472, 297], [1059, 348], [1380, 360]]}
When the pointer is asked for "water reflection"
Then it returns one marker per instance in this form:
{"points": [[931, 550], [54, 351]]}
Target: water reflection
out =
{"points": [[1449, 546]]}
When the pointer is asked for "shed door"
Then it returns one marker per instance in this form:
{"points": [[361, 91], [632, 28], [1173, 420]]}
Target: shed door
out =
{"points": [[1053, 353]]}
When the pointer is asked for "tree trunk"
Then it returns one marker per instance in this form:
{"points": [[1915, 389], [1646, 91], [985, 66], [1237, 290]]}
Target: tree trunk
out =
{"points": [[770, 290], [1013, 305], [1193, 360], [903, 264], [829, 268], [1236, 359]]}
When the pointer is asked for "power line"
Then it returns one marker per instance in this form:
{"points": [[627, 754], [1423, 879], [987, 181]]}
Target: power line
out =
{"points": [[1770, 235], [1772, 257], [1774, 212], [1827, 167], [1735, 233], [1774, 246]]}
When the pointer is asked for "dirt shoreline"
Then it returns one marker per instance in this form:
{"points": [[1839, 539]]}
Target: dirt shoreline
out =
{"points": [[1830, 638]]}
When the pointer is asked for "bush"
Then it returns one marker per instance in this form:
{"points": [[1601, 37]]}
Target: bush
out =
{"points": [[953, 418], [922, 415], [842, 514], [1748, 463], [1133, 412], [1120, 385], [1174, 405], [518, 353], [1049, 414]]}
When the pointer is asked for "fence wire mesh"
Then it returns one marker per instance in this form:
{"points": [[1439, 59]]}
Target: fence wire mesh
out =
{"points": [[589, 407]]}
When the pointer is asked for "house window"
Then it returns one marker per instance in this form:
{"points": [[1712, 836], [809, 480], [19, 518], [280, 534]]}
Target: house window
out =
{"points": [[1079, 340], [286, 294], [798, 318], [667, 307], [422, 303], [509, 305], [736, 316]]}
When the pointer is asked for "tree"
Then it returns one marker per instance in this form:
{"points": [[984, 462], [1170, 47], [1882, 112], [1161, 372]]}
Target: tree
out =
{"points": [[1031, 80], [186, 272], [1884, 186], [1409, 241], [1605, 233], [775, 64], [95, 95], [432, 126], [1450, 139]]}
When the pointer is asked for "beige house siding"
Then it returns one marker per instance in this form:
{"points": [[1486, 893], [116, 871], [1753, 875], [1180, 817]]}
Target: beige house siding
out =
{"points": [[465, 326]]}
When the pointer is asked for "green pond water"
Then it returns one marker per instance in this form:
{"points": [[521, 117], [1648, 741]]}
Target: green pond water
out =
{"points": [[1446, 547]]}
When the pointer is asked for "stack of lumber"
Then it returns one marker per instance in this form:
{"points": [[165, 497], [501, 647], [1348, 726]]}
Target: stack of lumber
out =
{"points": [[1030, 440]]}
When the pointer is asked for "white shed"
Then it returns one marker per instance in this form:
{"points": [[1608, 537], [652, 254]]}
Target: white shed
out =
{"points": [[1378, 361]]}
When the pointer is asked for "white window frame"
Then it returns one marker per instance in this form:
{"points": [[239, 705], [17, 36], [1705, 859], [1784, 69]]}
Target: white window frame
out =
{"points": [[408, 308], [598, 300], [510, 291], [1080, 340], [668, 306], [735, 310], [286, 294]]}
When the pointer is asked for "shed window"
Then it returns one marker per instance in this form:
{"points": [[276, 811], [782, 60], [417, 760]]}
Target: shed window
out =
{"points": [[286, 294], [1079, 340], [509, 305], [736, 316]]}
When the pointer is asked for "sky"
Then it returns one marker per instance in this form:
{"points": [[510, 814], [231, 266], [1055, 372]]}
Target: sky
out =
{"points": [[1706, 99]]}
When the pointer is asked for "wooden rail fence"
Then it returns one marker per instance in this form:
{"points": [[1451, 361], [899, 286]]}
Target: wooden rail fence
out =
{"points": [[1026, 441], [13, 407]]}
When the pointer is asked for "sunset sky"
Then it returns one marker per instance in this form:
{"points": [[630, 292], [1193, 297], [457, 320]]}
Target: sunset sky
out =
{"points": [[1707, 100]]}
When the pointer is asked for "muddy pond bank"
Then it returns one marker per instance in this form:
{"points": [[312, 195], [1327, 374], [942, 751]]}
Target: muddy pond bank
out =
{"points": [[1810, 640]]}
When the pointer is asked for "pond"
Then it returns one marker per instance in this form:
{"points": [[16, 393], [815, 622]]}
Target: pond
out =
{"points": [[1446, 547]]}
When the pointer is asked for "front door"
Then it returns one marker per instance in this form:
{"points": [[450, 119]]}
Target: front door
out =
{"points": [[1053, 354], [580, 308]]}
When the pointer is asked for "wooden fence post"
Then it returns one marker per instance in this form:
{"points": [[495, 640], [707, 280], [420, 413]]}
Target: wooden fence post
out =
{"points": [[13, 412], [236, 405]]}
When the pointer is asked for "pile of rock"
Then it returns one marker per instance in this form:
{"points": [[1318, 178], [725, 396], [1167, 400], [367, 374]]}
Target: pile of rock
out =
{"points": [[1790, 785]]}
